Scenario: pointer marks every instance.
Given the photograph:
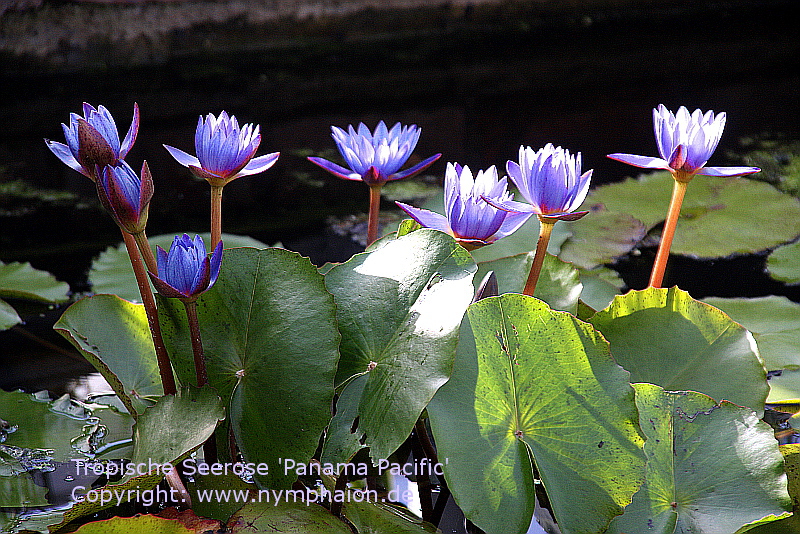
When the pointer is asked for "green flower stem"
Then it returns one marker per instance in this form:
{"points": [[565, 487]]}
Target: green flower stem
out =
{"points": [[146, 252], [660, 265], [164, 366], [216, 215], [545, 229], [210, 446], [374, 209]]}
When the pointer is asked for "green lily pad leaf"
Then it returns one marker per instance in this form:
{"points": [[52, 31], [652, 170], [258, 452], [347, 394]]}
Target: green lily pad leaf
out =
{"points": [[535, 385], [21, 281], [163, 435], [719, 216], [711, 467], [665, 337], [111, 271], [783, 263], [8, 316], [20, 491], [140, 524], [789, 525], [286, 517], [784, 388], [120, 346], [559, 283], [383, 518], [399, 309], [775, 324], [601, 237], [219, 508], [341, 440], [269, 334], [600, 286]]}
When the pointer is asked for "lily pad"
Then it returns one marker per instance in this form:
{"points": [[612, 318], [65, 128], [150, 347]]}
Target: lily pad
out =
{"points": [[286, 517], [665, 337], [111, 271], [783, 263], [533, 386], [8, 316], [119, 346], [775, 324], [140, 524], [20, 280], [711, 467], [399, 308], [719, 217], [269, 333], [600, 237]]}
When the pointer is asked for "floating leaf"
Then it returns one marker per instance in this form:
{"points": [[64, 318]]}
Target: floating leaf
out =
{"points": [[286, 517], [119, 346], [719, 216], [399, 309], [111, 271], [783, 263], [711, 467], [665, 337], [383, 518], [20, 280], [8, 316], [601, 237], [533, 384], [784, 388], [269, 334], [342, 442], [790, 525], [775, 324]]}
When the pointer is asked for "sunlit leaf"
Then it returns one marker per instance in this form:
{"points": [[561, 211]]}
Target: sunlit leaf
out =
{"points": [[286, 516], [664, 337], [532, 384], [140, 524], [399, 308], [601, 237], [8, 316], [711, 467]]}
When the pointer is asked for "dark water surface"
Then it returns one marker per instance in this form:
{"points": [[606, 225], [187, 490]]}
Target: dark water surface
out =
{"points": [[479, 83]]}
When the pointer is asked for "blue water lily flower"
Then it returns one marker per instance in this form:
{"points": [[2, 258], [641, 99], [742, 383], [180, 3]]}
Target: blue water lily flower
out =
{"points": [[375, 157], [468, 217], [550, 180], [93, 140], [224, 150], [685, 142], [125, 195], [186, 271]]}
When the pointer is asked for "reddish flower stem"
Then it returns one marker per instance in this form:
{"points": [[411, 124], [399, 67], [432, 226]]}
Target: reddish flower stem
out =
{"points": [[545, 229], [216, 215], [210, 446], [164, 366], [146, 252], [374, 209], [660, 265]]}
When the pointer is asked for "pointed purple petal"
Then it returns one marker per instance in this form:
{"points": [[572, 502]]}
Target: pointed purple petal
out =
{"points": [[182, 157], [130, 137], [63, 153], [260, 164], [216, 262], [164, 289], [511, 224], [335, 169], [416, 168], [645, 162], [727, 171], [426, 218]]}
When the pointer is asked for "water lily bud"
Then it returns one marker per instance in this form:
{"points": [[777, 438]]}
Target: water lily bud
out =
{"points": [[186, 271]]}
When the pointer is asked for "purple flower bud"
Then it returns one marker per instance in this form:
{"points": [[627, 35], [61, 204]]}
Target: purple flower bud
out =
{"points": [[224, 150], [375, 157], [93, 140], [186, 271], [469, 218], [685, 142], [551, 180], [125, 196]]}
